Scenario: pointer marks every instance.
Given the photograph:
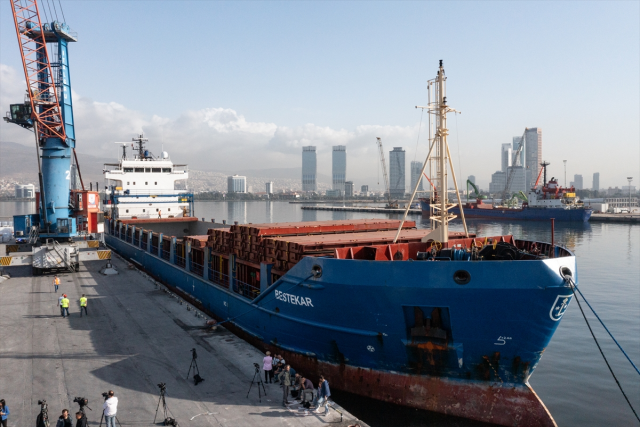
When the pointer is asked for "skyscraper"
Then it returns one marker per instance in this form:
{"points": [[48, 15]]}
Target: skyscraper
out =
{"points": [[416, 169], [506, 156], [578, 182], [596, 181], [397, 172], [309, 168], [348, 189], [339, 167], [269, 187], [472, 178], [533, 154]]}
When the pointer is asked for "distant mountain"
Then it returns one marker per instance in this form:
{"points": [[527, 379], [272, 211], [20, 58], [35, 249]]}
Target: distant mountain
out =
{"points": [[18, 161]]}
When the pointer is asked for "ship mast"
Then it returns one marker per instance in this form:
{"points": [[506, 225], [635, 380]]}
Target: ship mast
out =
{"points": [[440, 205]]}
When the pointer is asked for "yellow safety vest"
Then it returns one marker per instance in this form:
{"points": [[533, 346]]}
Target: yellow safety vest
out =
{"points": [[65, 302], [83, 302]]}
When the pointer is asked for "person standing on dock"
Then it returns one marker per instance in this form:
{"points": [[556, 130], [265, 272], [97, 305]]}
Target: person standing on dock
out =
{"points": [[159, 214], [56, 283], [267, 367], [83, 305], [64, 303], [4, 413], [323, 396], [60, 298], [286, 383]]}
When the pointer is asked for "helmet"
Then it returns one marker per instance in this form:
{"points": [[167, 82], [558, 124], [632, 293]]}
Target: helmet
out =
{"points": [[64, 295]]}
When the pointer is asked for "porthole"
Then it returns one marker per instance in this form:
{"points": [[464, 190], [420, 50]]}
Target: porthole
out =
{"points": [[462, 277], [316, 271]]}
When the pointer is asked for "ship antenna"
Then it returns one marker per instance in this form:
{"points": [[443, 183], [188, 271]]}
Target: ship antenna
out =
{"points": [[440, 215]]}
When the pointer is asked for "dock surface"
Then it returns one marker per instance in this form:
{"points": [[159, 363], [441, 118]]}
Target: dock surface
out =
{"points": [[361, 209], [135, 336]]}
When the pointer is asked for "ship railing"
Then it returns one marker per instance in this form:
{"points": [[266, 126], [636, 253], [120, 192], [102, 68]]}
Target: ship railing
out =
{"points": [[144, 244], [196, 268], [219, 278], [136, 240], [180, 262], [247, 290], [154, 249], [166, 255]]}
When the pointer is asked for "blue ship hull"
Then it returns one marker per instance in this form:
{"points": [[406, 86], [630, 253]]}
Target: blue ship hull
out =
{"points": [[527, 213], [355, 323]]}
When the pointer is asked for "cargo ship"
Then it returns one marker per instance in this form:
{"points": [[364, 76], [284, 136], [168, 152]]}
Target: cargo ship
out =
{"points": [[430, 319], [540, 204]]}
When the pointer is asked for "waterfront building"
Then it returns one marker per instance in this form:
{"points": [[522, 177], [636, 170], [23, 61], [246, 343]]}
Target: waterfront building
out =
{"points": [[309, 168], [498, 182], [596, 181], [27, 191], [416, 175], [578, 182], [334, 193], [364, 189], [533, 154], [236, 184], [397, 172], [339, 167], [348, 189], [506, 157], [269, 188]]}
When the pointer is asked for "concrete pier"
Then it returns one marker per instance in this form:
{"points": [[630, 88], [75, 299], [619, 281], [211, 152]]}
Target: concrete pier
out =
{"points": [[361, 209], [135, 336]]}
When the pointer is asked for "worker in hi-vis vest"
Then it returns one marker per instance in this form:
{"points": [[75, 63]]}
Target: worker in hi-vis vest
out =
{"points": [[83, 305], [65, 305], [56, 282]]}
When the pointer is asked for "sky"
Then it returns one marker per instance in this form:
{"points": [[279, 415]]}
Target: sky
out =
{"points": [[230, 86]]}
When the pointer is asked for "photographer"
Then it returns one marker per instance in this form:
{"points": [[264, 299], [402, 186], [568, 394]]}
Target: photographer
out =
{"points": [[64, 420], [110, 407]]}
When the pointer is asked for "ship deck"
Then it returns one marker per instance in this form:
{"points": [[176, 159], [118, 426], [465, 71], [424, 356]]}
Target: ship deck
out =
{"points": [[135, 337]]}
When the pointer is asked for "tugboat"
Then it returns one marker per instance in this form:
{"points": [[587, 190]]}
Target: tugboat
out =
{"points": [[443, 321]]}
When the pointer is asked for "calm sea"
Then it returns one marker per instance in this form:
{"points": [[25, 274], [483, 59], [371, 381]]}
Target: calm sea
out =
{"points": [[571, 379]]}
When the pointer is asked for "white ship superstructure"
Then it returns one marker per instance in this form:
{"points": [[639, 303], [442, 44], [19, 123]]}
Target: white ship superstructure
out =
{"points": [[145, 186]]}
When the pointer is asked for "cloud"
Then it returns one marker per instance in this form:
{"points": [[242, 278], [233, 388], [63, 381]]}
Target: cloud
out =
{"points": [[213, 138]]}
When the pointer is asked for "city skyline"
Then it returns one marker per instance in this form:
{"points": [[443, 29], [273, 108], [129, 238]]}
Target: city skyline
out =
{"points": [[237, 124]]}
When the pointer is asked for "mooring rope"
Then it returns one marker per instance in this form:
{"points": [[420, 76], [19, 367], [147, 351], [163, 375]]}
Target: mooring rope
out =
{"points": [[573, 289]]}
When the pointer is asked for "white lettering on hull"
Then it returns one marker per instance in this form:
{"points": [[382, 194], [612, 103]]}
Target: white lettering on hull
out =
{"points": [[294, 299]]}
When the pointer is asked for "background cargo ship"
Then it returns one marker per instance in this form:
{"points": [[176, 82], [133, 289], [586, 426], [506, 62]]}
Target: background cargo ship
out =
{"points": [[431, 319]]}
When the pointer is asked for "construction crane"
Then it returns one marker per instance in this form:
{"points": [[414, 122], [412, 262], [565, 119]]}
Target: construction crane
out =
{"points": [[477, 194], [390, 204], [511, 170], [48, 112]]}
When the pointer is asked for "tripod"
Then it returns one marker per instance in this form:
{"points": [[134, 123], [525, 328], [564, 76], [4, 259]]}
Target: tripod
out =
{"points": [[196, 371], [165, 409], [102, 417], [259, 382]]}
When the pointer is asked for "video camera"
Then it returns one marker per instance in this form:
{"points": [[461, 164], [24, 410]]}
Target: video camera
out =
{"points": [[42, 402], [257, 367], [105, 395], [163, 387], [82, 401]]}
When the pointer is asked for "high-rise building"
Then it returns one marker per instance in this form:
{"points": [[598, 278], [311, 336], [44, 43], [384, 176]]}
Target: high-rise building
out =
{"points": [[506, 157], [498, 182], [596, 181], [472, 178], [397, 172], [533, 154], [416, 175], [339, 167], [364, 189], [348, 189], [236, 184], [578, 182], [269, 188], [309, 168]]}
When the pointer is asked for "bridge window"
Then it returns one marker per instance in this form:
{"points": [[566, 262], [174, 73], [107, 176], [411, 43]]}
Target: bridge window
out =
{"points": [[166, 170], [156, 170], [147, 170], [128, 169], [139, 169]]}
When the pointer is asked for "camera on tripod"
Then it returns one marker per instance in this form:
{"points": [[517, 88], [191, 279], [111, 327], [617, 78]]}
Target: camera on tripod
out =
{"points": [[163, 387], [81, 401], [257, 367], [42, 402], [105, 395], [43, 417], [194, 353]]}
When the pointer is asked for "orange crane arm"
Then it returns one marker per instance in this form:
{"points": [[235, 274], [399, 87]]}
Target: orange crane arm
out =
{"points": [[539, 175]]}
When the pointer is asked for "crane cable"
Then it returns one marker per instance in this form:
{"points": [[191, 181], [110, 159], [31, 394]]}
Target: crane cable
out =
{"points": [[573, 289], [62, 11]]}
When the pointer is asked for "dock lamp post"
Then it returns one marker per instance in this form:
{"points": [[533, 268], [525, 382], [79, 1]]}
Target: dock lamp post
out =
{"points": [[629, 178]]}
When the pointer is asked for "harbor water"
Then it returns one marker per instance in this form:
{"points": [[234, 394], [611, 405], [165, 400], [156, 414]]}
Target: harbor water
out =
{"points": [[571, 378]]}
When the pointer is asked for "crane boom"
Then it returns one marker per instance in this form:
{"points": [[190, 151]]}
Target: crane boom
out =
{"points": [[43, 96], [384, 171]]}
